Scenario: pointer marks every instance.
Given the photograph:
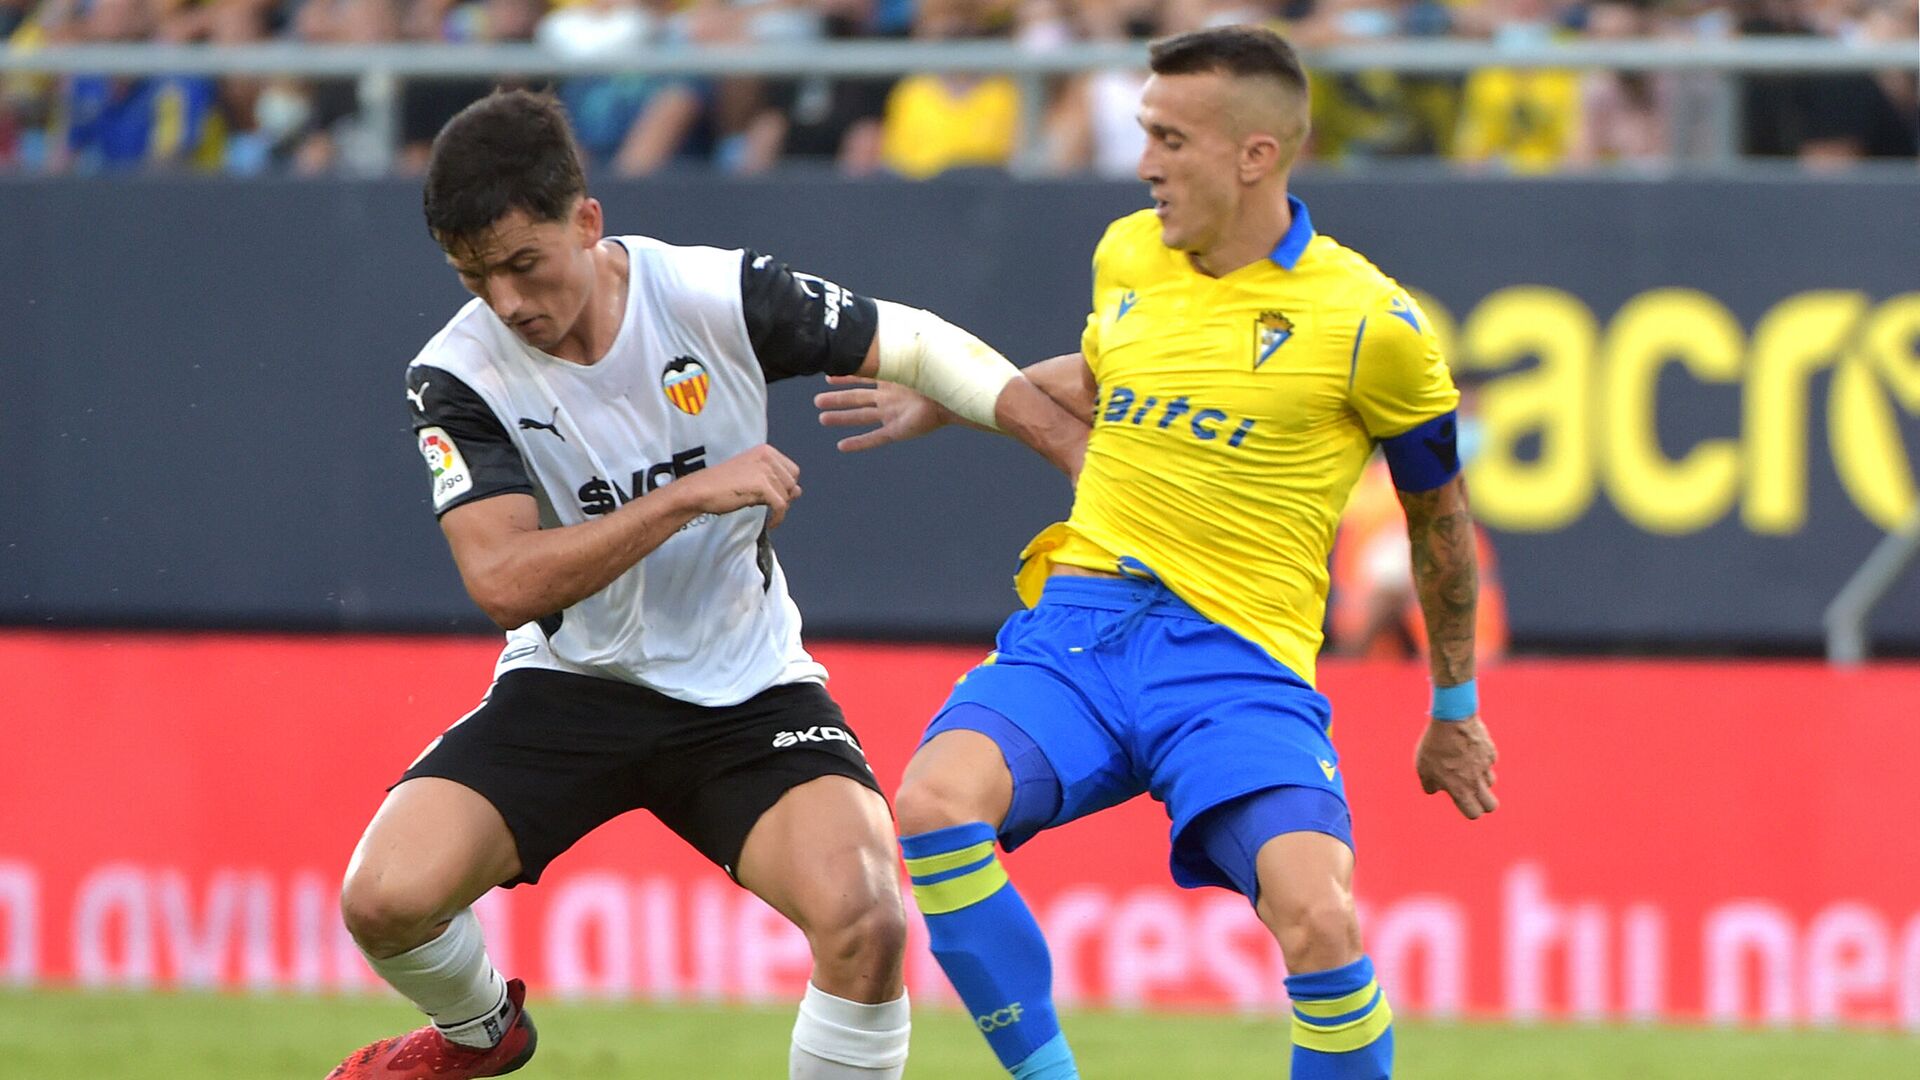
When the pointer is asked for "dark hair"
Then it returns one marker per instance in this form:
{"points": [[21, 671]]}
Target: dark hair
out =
{"points": [[1244, 51], [511, 150]]}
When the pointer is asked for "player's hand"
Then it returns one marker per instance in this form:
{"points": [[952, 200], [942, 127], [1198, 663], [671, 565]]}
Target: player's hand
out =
{"points": [[900, 413], [1457, 756], [761, 476]]}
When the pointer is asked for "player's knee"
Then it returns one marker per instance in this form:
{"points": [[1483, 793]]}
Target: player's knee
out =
{"points": [[1316, 929], [386, 918], [928, 802], [864, 936]]}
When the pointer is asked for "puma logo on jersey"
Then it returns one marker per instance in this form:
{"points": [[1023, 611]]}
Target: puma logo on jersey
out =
{"points": [[552, 426], [419, 397], [599, 496]]}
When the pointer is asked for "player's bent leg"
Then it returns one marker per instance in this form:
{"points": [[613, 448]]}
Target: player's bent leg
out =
{"points": [[956, 777], [1288, 849], [823, 856], [432, 849], [976, 773], [1342, 1024], [1306, 900]]}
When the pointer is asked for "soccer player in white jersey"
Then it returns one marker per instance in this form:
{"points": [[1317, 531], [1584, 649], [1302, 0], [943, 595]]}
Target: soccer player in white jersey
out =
{"points": [[595, 425]]}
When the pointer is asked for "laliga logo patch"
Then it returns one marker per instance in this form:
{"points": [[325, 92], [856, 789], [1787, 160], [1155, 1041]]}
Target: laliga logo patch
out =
{"points": [[437, 450], [451, 477], [1270, 331], [685, 384]]}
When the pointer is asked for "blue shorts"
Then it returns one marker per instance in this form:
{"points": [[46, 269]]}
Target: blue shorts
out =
{"points": [[1113, 687]]}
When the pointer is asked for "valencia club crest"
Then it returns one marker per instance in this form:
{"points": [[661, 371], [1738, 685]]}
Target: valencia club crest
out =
{"points": [[685, 384]]}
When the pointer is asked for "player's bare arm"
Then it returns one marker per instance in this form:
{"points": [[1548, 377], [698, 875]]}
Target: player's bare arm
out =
{"points": [[1027, 412], [1049, 408], [518, 572], [1446, 575], [1068, 380], [1454, 756]]}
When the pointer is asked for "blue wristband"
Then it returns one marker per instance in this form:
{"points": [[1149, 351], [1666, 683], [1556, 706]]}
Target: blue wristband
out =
{"points": [[1456, 702]]}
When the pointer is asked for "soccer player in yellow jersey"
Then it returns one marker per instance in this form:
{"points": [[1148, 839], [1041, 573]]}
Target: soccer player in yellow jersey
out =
{"points": [[1236, 373]]}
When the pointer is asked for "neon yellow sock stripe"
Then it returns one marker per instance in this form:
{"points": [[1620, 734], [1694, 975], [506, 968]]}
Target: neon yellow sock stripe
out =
{"points": [[1347, 1037], [948, 860], [1342, 1005], [963, 891]]}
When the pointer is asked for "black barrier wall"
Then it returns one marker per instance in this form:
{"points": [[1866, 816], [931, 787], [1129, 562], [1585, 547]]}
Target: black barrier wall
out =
{"points": [[1702, 412]]}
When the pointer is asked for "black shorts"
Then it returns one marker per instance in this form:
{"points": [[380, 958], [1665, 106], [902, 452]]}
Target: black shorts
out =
{"points": [[559, 755]]}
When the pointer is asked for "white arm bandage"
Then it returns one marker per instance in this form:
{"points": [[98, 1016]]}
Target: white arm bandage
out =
{"points": [[925, 352]]}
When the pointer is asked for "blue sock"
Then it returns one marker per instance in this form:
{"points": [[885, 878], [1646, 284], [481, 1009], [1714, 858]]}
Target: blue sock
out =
{"points": [[1342, 1027], [990, 947]]}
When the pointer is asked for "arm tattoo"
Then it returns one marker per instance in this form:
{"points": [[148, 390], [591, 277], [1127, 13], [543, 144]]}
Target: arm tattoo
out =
{"points": [[1446, 575]]}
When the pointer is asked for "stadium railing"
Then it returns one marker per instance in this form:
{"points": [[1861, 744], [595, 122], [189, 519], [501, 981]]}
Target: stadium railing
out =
{"points": [[1846, 617], [380, 69]]}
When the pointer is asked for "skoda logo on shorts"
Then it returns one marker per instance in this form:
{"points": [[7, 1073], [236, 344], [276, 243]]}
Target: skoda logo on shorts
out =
{"points": [[999, 1018], [818, 733]]}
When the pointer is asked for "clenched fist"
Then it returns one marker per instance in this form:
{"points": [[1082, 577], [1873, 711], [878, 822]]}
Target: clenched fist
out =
{"points": [[761, 476]]}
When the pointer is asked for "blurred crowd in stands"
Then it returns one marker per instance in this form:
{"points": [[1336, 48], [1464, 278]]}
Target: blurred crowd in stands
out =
{"points": [[917, 126]]}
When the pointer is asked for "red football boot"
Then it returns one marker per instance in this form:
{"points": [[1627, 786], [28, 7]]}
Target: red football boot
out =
{"points": [[428, 1055]]}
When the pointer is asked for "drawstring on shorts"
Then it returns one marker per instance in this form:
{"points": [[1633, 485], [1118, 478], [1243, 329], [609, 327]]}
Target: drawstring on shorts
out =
{"points": [[1130, 617]]}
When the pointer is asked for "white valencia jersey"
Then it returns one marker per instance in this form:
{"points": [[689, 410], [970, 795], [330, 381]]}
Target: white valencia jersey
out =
{"points": [[705, 617]]}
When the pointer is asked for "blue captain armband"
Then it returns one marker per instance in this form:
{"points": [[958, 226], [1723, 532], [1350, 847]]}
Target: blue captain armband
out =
{"points": [[1457, 702], [1427, 456]]}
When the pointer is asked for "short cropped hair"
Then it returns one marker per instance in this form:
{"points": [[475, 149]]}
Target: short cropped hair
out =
{"points": [[1244, 51], [511, 150]]}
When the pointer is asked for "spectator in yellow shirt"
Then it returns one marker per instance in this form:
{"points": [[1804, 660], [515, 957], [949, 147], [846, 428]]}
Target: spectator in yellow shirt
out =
{"points": [[938, 122], [1525, 119]]}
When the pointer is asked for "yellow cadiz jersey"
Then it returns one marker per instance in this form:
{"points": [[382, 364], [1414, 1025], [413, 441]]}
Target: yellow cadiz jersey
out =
{"points": [[1234, 416]]}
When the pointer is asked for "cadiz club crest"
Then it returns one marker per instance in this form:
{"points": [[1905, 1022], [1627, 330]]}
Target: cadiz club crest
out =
{"points": [[1270, 331], [685, 384]]}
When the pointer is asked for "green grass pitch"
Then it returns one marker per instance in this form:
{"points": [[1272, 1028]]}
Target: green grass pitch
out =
{"points": [[58, 1035]]}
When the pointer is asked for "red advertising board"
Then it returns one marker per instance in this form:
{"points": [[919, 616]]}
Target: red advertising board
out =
{"points": [[1693, 840]]}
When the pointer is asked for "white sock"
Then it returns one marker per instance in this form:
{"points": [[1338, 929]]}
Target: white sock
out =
{"points": [[837, 1039], [452, 981]]}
